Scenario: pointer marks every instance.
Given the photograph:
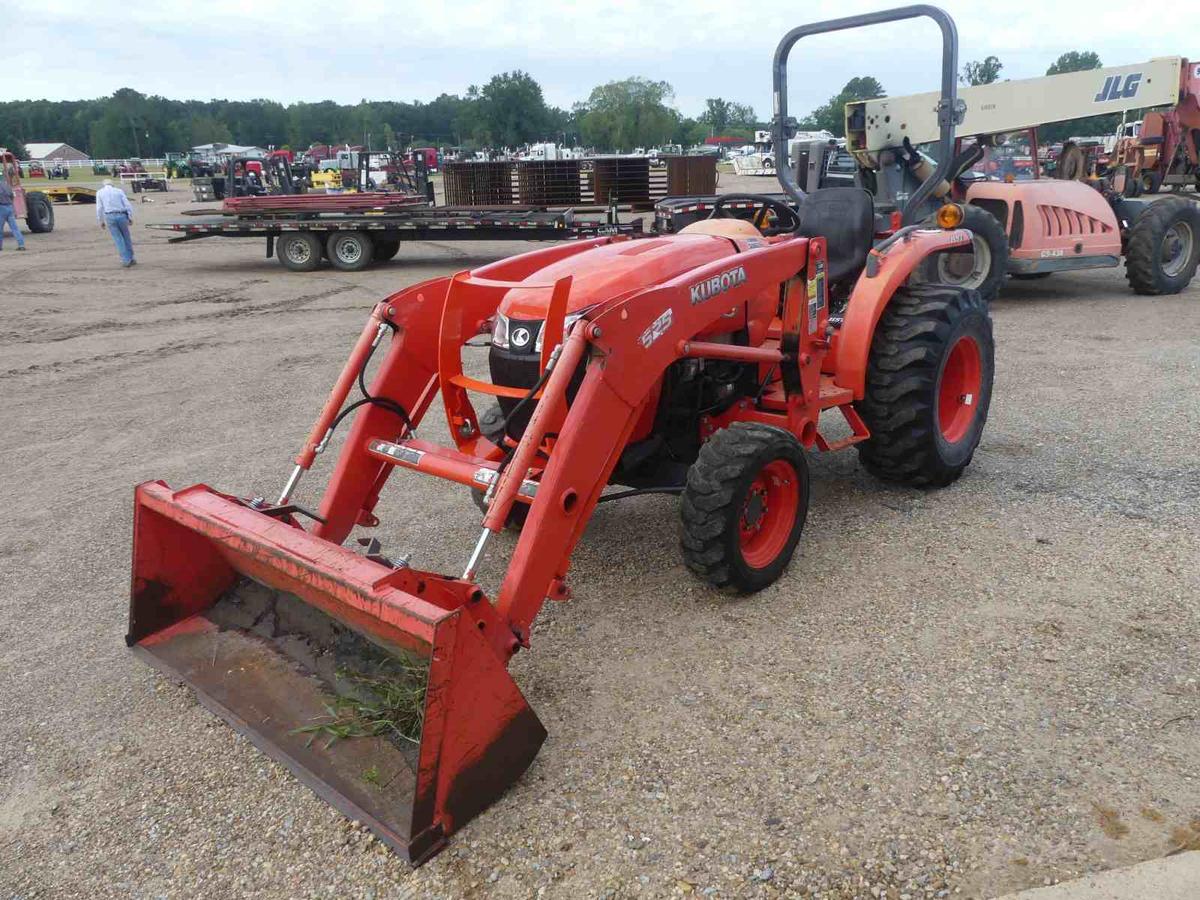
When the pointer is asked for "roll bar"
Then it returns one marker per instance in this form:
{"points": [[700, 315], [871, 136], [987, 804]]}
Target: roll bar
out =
{"points": [[949, 110]]}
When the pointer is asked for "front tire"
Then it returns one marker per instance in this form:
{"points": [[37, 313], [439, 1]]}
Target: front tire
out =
{"points": [[744, 506], [39, 215], [1164, 247], [929, 384]]}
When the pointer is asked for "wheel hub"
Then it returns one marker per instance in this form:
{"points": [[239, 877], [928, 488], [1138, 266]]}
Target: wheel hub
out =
{"points": [[768, 513], [1176, 248], [958, 389]]}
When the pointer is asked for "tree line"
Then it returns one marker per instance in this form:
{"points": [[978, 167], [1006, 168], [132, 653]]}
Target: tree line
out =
{"points": [[508, 111]]}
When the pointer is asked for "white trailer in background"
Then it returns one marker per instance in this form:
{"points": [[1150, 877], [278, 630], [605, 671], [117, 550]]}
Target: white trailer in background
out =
{"points": [[762, 160]]}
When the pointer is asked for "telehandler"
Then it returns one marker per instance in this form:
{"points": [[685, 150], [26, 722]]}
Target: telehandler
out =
{"points": [[1022, 224], [698, 363]]}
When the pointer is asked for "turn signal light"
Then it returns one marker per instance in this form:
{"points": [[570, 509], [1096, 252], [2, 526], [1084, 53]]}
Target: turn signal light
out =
{"points": [[950, 216]]}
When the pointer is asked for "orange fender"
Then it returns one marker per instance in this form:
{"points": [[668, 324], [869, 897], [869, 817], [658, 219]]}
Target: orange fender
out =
{"points": [[851, 345]]}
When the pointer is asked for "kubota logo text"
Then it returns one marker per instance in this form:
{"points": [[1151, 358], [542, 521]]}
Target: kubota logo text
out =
{"points": [[718, 284]]}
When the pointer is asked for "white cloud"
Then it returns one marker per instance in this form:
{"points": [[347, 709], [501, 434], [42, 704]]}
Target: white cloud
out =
{"points": [[306, 50]]}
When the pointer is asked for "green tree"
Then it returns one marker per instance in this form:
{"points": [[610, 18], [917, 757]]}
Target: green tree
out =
{"points": [[622, 115], [512, 110], [831, 116], [984, 71], [1075, 61]]}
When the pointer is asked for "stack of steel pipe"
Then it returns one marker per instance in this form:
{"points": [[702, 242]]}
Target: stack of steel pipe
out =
{"points": [[279, 204]]}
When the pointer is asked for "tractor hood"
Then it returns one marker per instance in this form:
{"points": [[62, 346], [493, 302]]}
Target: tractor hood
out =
{"points": [[615, 270]]}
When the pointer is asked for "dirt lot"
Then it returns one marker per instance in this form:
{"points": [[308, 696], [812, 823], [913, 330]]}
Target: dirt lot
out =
{"points": [[952, 693]]}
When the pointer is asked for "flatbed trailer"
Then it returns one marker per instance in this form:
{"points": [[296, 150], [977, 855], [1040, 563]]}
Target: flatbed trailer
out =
{"points": [[353, 241]]}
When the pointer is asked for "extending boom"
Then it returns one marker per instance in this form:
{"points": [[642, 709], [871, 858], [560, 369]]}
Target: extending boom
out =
{"points": [[873, 125]]}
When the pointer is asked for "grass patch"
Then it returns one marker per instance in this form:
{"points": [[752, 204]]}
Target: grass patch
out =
{"points": [[389, 702]]}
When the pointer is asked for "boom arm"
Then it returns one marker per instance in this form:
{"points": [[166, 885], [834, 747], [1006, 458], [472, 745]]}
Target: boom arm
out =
{"points": [[873, 125]]}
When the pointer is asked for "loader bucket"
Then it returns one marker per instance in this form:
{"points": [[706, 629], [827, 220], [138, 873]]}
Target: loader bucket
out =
{"points": [[374, 685]]}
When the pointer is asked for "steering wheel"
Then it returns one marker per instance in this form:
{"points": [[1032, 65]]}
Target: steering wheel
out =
{"points": [[787, 220]]}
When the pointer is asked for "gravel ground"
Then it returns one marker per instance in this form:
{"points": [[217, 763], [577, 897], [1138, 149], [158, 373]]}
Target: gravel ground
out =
{"points": [[960, 693]]}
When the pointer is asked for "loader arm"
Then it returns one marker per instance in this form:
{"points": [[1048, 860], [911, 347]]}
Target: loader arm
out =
{"points": [[631, 343]]}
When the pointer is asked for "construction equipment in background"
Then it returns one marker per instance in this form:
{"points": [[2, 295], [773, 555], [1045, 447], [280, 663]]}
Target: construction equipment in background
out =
{"points": [[697, 364], [240, 176], [70, 194], [32, 206], [1164, 148], [1025, 225]]}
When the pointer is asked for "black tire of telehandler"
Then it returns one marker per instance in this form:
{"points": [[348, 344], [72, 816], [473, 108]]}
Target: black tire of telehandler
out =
{"points": [[516, 515], [1144, 264], [987, 228], [386, 249], [39, 214], [908, 359], [298, 251], [714, 501], [350, 251]]}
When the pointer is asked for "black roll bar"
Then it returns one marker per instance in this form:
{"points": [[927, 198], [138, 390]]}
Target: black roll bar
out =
{"points": [[949, 111]]}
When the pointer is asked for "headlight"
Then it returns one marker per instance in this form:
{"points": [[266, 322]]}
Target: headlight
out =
{"points": [[500, 332], [568, 321]]}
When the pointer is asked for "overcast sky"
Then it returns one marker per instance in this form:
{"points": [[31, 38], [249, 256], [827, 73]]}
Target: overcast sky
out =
{"points": [[347, 51]]}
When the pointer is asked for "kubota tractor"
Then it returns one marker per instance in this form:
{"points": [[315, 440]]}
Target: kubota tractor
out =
{"points": [[32, 206], [699, 363]]}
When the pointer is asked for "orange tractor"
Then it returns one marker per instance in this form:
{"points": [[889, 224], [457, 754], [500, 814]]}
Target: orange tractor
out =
{"points": [[706, 363]]}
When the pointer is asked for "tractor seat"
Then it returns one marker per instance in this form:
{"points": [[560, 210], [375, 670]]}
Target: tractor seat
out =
{"points": [[845, 217]]}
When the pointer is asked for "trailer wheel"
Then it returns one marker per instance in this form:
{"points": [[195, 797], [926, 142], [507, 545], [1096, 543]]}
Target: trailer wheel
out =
{"points": [[744, 506], [350, 251], [1163, 247], [299, 251], [983, 269], [385, 250], [929, 384], [39, 214]]}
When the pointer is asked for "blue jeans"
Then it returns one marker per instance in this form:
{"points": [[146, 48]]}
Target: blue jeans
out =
{"points": [[9, 215], [118, 227]]}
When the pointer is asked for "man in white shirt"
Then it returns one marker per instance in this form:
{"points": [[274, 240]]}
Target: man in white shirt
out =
{"points": [[115, 212]]}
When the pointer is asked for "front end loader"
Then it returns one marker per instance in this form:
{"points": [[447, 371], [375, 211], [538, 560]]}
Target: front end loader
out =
{"points": [[706, 364]]}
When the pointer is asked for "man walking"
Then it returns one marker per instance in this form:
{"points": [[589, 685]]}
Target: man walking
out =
{"points": [[115, 212], [8, 214]]}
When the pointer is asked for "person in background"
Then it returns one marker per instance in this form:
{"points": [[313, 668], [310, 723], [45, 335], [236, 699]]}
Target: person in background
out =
{"points": [[115, 212], [8, 214]]}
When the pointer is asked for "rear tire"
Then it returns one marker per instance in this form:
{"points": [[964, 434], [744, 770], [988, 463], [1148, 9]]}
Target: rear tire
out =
{"points": [[299, 251], [386, 249], [744, 506], [929, 384], [350, 251], [983, 269], [1150, 182], [1164, 247], [39, 215]]}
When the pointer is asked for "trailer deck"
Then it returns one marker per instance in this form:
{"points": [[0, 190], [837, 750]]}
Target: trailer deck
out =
{"points": [[390, 227]]}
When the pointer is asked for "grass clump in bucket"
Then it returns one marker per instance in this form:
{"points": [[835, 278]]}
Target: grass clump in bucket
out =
{"points": [[388, 702]]}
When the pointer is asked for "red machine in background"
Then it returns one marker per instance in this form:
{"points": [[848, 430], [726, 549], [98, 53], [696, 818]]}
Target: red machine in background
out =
{"points": [[1166, 149]]}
